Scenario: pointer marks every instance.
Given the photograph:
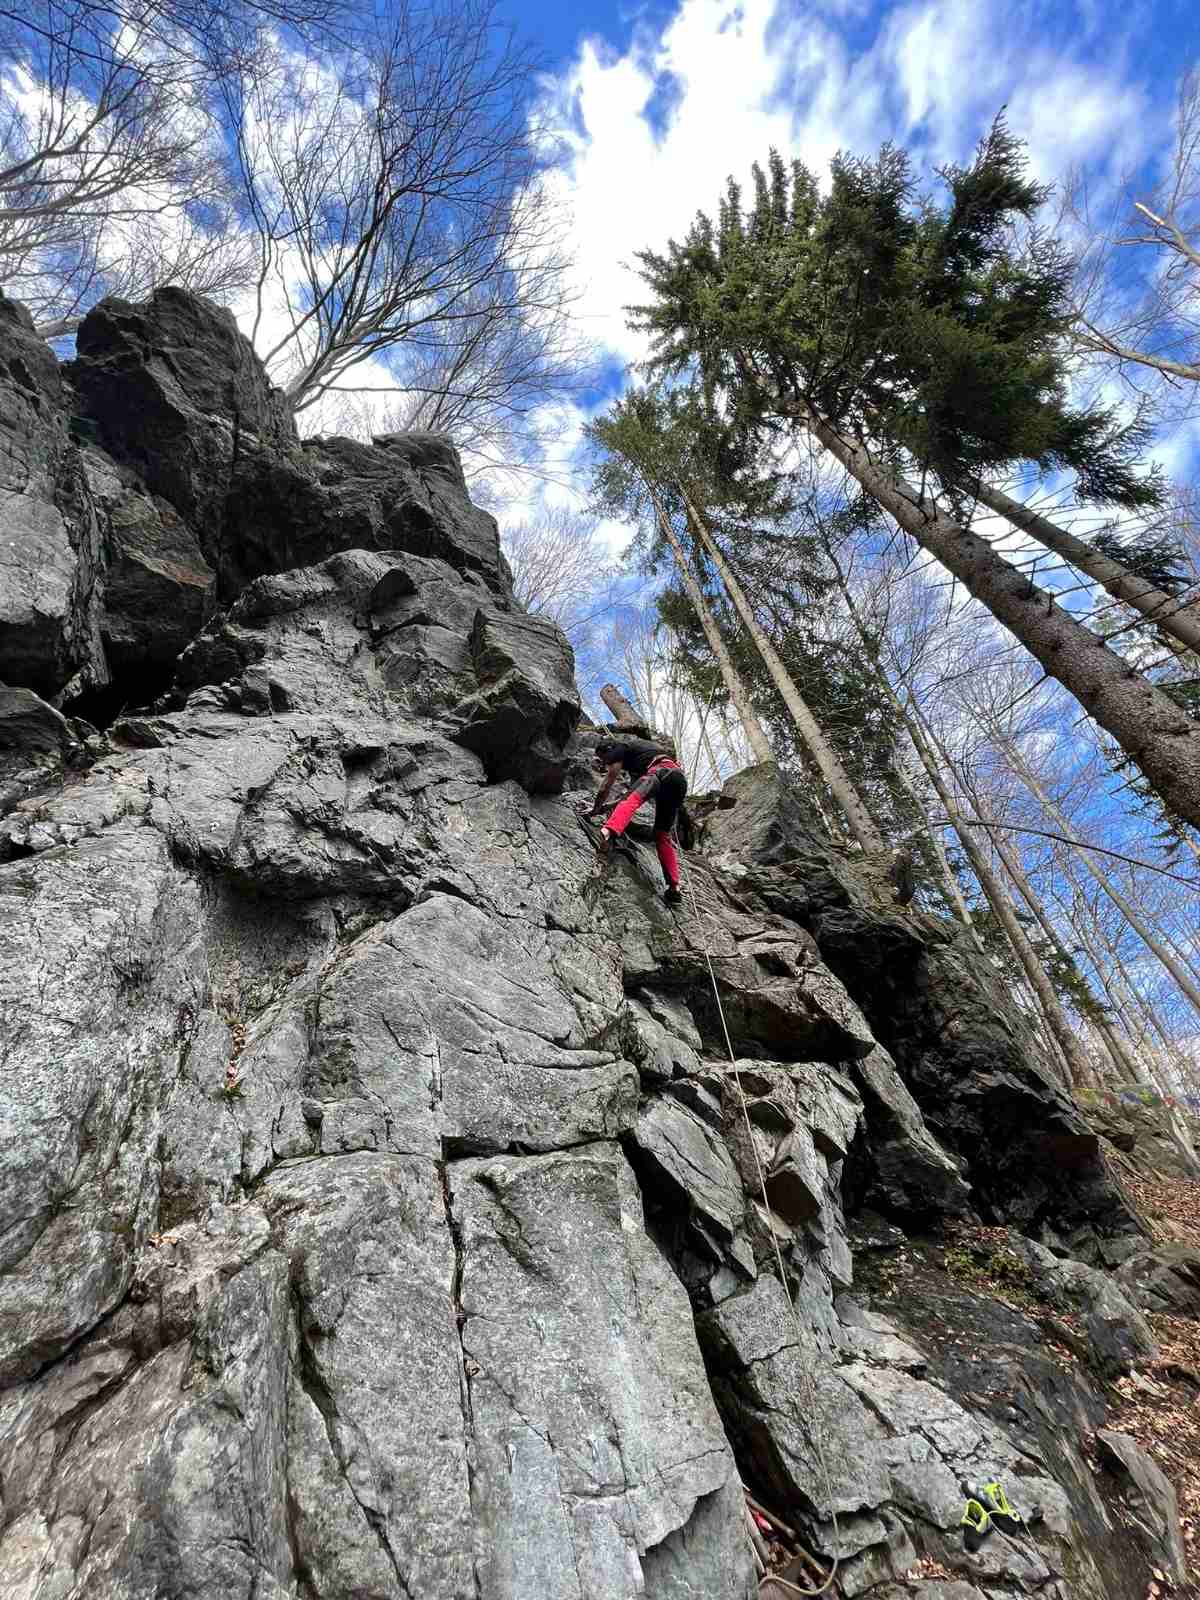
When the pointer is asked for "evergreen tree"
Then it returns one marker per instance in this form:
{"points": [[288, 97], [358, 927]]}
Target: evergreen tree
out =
{"points": [[909, 337], [632, 481], [683, 457]]}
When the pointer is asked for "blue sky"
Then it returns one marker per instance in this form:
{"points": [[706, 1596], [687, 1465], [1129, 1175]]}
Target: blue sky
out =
{"points": [[657, 104]]}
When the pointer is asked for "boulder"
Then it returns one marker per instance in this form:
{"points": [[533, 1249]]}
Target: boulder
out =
{"points": [[176, 391], [684, 1152], [159, 591], [1158, 1137], [1165, 1279], [1119, 1335], [526, 706], [909, 1171], [29, 727], [180, 403], [1149, 1499]]}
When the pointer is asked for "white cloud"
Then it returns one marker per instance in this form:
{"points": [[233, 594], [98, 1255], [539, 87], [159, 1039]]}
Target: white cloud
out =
{"points": [[804, 78]]}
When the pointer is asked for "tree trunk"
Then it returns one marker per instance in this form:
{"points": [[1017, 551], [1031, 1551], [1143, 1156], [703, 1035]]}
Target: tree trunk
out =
{"points": [[730, 676], [1172, 616], [1012, 865], [1157, 1079], [1166, 1058], [1152, 942], [1181, 953], [1078, 1066], [826, 757], [950, 884], [1103, 958], [954, 893], [1156, 735], [1125, 1063], [623, 710]]}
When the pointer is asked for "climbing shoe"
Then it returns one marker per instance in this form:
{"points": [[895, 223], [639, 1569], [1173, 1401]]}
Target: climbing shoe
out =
{"points": [[672, 895], [993, 1498], [976, 1525]]}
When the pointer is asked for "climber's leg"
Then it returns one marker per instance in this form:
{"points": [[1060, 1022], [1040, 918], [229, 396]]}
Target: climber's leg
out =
{"points": [[671, 791], [667, 858], [622, 815]]}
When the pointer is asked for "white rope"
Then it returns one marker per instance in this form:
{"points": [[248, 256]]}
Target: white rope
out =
{"points": [[810, 1384], [811, 1397]]}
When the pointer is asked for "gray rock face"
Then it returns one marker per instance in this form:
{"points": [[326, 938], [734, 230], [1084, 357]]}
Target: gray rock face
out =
{"points": [[381, 1213], [595, 1433], [49, 540], [1118, 1334], [933, 1004], [1166, 1278], [168, 475]]}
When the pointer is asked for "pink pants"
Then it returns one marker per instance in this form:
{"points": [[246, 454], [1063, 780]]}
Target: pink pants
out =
{"points": [[652, 786]]}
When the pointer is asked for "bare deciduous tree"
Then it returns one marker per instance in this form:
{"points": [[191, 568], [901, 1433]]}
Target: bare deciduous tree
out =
{"points": [[112, 179], [645, 655], [560, 565], [402, 220], [1157, 327]]}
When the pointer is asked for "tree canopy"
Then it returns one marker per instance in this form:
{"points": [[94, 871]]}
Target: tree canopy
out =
{"points": [[933, 325]]}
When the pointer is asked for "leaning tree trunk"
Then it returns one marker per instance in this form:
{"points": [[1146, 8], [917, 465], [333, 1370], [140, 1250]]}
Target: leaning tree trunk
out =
{"points": [[1157, 736], [1158, 607], [623, 709], [1124, 1002], [730, 676], [1138, 923], [1121, 1061], [954, 894], [1079, 1068], [950, 884], [862, 825], [1161, 1080]]}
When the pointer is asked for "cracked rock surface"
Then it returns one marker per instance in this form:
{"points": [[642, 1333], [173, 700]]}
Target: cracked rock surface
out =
{"points": [[381, 1214]]}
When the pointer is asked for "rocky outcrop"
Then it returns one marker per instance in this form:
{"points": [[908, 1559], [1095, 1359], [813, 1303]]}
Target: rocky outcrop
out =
{"points": [[1155, 1136], [1152, 1507], [962, 1049], [50, 541], [383, 1214]]}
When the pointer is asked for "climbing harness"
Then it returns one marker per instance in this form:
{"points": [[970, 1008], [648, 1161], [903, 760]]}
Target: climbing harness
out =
{"points": [[776, 1583], [976, 1525]]}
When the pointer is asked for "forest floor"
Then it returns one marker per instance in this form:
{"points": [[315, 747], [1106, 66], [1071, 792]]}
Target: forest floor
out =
{"points": [[1160, 1407], [967, 1299]]}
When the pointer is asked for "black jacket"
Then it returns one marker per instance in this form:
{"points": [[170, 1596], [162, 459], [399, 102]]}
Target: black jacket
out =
{"points": [[636, 755]]}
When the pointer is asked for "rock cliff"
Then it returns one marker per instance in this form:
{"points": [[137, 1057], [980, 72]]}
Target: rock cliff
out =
{"points": [[382, 1214]]}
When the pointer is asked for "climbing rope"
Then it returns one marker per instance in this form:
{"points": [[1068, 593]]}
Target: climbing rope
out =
{"points": [[780, 1583], [810, 1383]]}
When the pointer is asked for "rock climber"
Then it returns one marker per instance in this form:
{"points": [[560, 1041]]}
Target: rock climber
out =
{"points": [[655, 776]]}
